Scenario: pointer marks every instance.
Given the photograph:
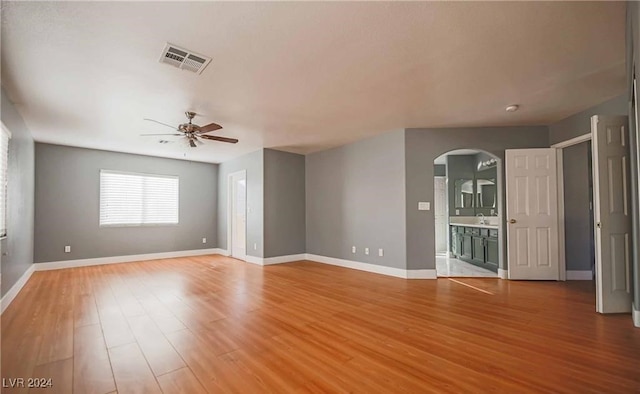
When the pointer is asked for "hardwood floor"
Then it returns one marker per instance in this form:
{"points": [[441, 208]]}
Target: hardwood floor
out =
{"points": [[214, 324]]}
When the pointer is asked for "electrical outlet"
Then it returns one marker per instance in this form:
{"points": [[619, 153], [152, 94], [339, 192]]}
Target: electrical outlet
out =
{"points": [[255, 246], [353, 249], [67, 249], [204, 240], [457, 212], [380, 252], [366, 250]]}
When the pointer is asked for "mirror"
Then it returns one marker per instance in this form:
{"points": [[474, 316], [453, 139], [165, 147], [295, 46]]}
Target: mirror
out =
{"points": [[486, 192], [464, 193]]}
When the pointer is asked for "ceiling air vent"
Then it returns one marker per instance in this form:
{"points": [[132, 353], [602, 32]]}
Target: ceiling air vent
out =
{"points": [[184, 59]]}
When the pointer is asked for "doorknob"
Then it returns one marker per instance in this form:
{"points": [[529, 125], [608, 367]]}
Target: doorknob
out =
{"points": [[512, 221]]}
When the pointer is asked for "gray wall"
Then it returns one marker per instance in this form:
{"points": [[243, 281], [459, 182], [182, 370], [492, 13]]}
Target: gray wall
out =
{"points": [[253, 163], [577, 213], [356, 196], [439, 170], [422, 146], [68, 198], [17, 247], [284, 203], [580, 123], [459, 167]]}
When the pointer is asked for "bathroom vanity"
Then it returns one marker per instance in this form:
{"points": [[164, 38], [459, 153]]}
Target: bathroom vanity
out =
{"points": [[476, 244]]}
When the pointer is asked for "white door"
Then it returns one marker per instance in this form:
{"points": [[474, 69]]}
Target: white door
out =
{"points": [[532, 214], [612, 213], [238, 214], [440, 213]]}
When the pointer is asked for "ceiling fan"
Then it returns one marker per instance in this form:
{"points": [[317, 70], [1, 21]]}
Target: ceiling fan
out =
{"points": [[192, 132]]}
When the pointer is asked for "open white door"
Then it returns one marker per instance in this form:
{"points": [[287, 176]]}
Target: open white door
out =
{"points": [[440, 213], [238, 214], [612, 213], [532, 214]]}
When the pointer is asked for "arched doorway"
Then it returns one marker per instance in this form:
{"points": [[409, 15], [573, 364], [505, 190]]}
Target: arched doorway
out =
{"points": [[467, 211]]}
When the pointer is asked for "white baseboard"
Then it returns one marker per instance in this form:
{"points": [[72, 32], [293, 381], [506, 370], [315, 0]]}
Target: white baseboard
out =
{"points": [[284, 259], [275, 260], [503, 274], [55, 265], [421, 274], [377, 269], [15, 289], [636, 316], [253, 260], [580, 275]]}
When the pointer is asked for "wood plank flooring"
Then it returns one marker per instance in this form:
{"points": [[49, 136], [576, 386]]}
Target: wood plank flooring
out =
{"points": [[214, 324]]}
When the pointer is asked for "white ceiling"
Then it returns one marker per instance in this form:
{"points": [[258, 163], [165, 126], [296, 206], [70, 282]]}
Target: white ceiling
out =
{"points": [[304, 76]]}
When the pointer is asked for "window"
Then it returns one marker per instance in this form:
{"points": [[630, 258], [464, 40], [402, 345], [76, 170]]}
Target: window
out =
{"points": [[4, 166], [128, 199]]}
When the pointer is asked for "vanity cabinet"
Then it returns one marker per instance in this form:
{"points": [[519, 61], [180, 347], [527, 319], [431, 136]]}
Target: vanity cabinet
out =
{"points": [[475, 245]]}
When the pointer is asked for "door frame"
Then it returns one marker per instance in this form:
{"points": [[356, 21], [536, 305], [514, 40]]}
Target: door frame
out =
{"points": [[560, 154], [446, 212], [503, 273], [230, 196]]}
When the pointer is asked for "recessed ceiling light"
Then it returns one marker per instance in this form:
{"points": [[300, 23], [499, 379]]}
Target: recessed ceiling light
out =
{"points": [[512, 108]]}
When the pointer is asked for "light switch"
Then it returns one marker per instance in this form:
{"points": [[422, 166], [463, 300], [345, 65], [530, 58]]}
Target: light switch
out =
{"points": [[366, 250], [67, 249], [424, 206]]}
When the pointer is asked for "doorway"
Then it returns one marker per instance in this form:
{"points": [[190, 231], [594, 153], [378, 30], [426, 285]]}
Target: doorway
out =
{"points": [[466, 214], [578, 211], [611, 214], [237, 215]]}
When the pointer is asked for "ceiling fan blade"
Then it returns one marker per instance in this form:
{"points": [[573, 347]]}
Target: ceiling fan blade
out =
{"points": [[164, 124], [192, 143], [221, 139], [178, 135], [208, 128]]}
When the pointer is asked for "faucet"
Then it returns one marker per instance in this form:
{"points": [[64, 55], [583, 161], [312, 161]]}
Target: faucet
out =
{"points": [[481, 217]]}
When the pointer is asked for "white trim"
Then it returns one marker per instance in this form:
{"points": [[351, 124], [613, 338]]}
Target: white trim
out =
{"points": [[251, 259], [223, 252], [275, 260], [636, 316], [503, 274], [55, 265], [562, 258], [15, 289], [579, 275], [284, 259], [573, 141], [377, 269], [421, 274], [6, 129]]}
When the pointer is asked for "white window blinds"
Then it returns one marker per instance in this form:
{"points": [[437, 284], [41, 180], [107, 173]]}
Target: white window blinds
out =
{"points": [[128, 199], [4, 165]]}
